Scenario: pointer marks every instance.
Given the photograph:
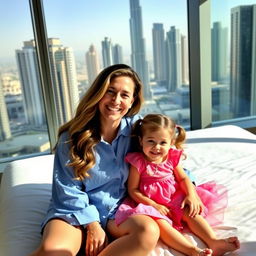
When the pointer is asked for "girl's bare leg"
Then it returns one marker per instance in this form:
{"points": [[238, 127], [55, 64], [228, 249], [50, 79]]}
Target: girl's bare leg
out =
{"points": [[200, 227], [174, 239], [59, 239], [137, 236]]}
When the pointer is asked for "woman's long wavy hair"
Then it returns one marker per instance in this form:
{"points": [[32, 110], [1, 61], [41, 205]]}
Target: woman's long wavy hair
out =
{"points": [[84, 128], [152, 122]]}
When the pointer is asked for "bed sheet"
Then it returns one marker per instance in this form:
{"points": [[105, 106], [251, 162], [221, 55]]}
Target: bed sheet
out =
{"points": [[224, 154]]}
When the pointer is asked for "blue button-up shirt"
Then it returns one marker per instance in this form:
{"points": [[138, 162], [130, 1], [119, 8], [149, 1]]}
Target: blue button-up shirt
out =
{"points": [[96, 198]]}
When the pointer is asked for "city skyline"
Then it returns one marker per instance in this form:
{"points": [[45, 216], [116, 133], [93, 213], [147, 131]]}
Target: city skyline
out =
{"points": [[164, 93], [173, 57], [71, 23]]}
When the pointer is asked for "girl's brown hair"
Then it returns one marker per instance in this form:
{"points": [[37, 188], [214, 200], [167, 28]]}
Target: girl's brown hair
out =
{"points": [[153, 122], [84, 128]]}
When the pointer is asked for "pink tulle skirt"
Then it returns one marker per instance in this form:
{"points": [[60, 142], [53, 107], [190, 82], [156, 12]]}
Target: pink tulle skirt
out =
{"points": [[213, 196]]}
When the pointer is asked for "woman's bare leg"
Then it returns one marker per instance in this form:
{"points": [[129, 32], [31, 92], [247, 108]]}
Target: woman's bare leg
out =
{"points": [[137, 236], [59, 239], [200, 227], [174, 239]]}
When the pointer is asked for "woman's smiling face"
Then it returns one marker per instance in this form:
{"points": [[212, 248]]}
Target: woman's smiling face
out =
{"points": [[118, 99]]}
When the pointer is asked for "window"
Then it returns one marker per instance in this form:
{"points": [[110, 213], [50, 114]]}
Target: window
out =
{"points": [[85, 37], [23, 129]]}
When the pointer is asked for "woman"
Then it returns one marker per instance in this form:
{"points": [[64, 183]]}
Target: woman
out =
{"points": [[90, 174]]}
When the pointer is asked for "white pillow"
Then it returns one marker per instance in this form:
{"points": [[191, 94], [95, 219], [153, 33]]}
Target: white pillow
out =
{"points": [[24, 198]]}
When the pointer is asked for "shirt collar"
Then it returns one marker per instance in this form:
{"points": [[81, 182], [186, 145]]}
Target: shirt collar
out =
{"points": [[123, 128]]}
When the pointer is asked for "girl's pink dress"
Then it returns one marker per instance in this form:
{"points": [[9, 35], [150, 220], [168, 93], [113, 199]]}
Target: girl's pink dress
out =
{"points": [[157, 181]]}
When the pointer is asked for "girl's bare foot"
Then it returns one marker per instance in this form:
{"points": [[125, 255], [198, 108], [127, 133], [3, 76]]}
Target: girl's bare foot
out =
{"points": [[222, 246], [202, 252]]}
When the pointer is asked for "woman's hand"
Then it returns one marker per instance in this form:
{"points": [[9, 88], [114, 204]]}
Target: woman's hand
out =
{"points": [[96, 239], [194, 203]]}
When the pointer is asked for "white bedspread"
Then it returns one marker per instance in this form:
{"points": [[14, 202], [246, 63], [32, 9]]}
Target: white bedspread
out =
{"points": [[225, 154]]}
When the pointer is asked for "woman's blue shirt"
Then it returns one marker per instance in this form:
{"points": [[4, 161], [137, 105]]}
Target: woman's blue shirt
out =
{"points": [[96, 198]]}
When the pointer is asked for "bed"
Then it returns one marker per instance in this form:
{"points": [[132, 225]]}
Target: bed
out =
{"points": [[225, 154]]}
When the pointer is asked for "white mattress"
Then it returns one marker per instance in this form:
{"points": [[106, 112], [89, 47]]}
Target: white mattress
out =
{"points": [[225, 154]]}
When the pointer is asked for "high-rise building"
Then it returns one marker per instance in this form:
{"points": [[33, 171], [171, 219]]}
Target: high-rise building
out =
{"points": [[107, 54], [219, 52], [253, 75], [63, 73], [5, 130], [92, 63], [174, 62], [64, 79], [159, 54], [242, 62], [117, 54], [71, 78], [184, 61], [30, 83], [138, 55]]}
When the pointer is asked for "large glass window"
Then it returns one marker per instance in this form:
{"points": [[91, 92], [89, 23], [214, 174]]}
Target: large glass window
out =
{"points": [[23, 129], [234, 60], [87, 36]]}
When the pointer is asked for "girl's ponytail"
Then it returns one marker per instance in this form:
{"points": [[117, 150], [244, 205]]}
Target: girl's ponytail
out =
{"points": [[180, 137]]}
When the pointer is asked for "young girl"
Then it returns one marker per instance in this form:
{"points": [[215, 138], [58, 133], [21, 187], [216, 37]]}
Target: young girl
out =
{"points": [[158, 187]]}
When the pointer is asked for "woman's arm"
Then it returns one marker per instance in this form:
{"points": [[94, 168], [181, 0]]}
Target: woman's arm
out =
{"points": [[72, 203], [192, 199], [138, 196]]}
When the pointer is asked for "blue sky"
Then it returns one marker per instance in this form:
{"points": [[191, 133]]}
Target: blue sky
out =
{"points": [[111, 19], [82, 22]]}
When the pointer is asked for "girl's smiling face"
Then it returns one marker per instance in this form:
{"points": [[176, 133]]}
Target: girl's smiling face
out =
{"points": [[156, 144]]}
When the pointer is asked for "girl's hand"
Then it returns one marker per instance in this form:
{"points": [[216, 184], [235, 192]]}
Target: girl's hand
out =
{"points": [[96, 239], [161, 208], [194, 203]]}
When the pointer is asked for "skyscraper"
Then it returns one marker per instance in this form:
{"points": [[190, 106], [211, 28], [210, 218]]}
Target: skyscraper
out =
{"points": [[107, 54], [242, 73], [92, 63], [219, 52], [30, 83], [159, 53], [71, 78], [5, 130], [117, 54], [184, 61], [64, 79], [173, 44], [138, 56], [253, 82]]}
